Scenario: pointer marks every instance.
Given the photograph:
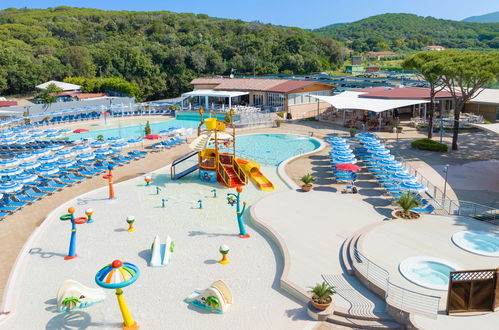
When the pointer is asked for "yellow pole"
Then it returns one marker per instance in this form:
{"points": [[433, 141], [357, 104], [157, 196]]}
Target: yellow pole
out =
{"points": [[128, 320]]}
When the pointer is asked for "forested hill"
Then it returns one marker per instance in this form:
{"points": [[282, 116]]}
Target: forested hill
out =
{"points": [[407, 31], [160, 51], [486, 18]]}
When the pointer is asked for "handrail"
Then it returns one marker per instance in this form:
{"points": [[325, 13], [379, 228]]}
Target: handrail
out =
{"points": [[223, 173], [239, 172], [395, 295]]}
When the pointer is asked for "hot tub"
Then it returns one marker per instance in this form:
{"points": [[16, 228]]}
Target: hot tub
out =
{"points": [[478, 242], [429, 272]]}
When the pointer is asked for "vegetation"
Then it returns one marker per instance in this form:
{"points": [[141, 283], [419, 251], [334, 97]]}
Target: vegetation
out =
{"points": [[407, 31], [147, 129], [428, 144], [70, 302], [161, 52], [307, 179], [406, 202], [100, 137], [322, 293], [49, 94], [105, 85], [487, 18], [212, 302]]}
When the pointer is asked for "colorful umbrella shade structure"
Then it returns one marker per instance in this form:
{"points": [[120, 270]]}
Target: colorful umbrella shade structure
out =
{"points": [[335, 139], [114, 139], [65, 162], [48, 159], [373, 144], [9, 162], [413, 186], [119, 145], [118, 275], [85, 156], [55, 146], [387, 162], [81, 147], [395, 169], [46, 170], [64, 153], [81, 130], [30, 165], [25, 177], [64, 131], [99, 144], [338, 148], [48, 131], [365, 135], [377, 149], [103, 151], [6, 142], [25, 156], [340, 153], [338, 143], [400, 176], [134, 141], [153, 136], [348, 167], [344, 159], [9, 187], [40, 152], [54, 135], [38, 135], [11, 171], [25, 140], [383, 155]]}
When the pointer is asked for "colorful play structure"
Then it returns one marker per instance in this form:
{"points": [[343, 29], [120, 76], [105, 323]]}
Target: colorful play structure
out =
{"points": [[74, 295], [109, 177], [118, 275], [217, 298], [74, 221], [224, 250], [161, 254], [130, 220], [233, 199], [215, 148]]}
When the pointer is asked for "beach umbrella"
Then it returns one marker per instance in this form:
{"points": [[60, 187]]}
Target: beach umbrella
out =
{"points": [[383, 155], [365, 135], [25, 140], [119, 145], [387, 161], [8, 187], [335, 139], [400, 176], [64, 131], [373, 144], [11, 171], [367, 140], [340, 153], [25, 156], [165, 131], [344, 159], [66, 162], [9, 162], [5, 142], [413, 186], [25, 177], [81, 130], [115, 139], [54, 135], [395, 169], [153, 136], [48, 159], [38, 135], [103, 151], [138, 140], [81, 147], [338, 143], [64, 153], [99, 144], [85, 156], [46, 169], [348, 167], [30, 165], [54, 146], [48, 131], [377, 149], [340, 148], [40, 152]]}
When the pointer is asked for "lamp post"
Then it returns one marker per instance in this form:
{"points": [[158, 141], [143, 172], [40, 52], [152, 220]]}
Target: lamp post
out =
{"points": [[446, 171], [441, 126]]}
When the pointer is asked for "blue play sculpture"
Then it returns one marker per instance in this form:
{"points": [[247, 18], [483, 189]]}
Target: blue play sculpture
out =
{"points": [[233, 199]]}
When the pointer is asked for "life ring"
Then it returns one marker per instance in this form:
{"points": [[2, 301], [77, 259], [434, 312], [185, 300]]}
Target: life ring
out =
{"points": [[80, 220], [65, 217]]}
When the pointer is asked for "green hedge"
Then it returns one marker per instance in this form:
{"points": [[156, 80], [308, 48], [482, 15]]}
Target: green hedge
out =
{"points": [[428, 144]]}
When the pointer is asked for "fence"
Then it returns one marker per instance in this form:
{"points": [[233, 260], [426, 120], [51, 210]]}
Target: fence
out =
{"points": [[395, 296]]}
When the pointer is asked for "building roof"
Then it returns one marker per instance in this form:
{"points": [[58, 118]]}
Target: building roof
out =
{"points": [[8, 103], [213, 93], [350, 100], [254, 84], [487, 96], [434, 47], [291, 85], [90, 95], [400, 93], [62, 85], [380, 53]]}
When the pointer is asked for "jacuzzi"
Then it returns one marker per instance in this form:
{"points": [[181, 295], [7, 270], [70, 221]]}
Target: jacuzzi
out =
{"points": [[429, 272], [478, 242]]}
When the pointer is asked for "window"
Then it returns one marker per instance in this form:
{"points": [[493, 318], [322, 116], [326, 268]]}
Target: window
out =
{"points": [[302, 98], [257, 99], [275, 99]]}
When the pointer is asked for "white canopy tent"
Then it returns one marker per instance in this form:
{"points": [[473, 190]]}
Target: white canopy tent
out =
{"points": [[62, 85], [213, 93]]}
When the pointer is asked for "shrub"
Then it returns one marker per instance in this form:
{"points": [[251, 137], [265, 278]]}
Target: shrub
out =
{"points": [[428, 144], [307, 179]]}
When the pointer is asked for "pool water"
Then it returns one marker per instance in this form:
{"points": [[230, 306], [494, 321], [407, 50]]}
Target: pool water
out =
{"points": [[136, 131], [429, 272], [479, 242]]}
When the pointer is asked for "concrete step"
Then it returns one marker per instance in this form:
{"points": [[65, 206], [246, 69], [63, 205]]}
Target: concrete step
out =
{"points": [[362, 324], [377, 317]]}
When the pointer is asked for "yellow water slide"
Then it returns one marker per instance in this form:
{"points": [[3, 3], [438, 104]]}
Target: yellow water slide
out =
{"points": [[252, 170]]}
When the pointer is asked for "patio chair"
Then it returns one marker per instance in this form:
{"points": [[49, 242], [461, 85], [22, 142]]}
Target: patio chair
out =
{"points": [[75, 177], [9, 202], [32, 193], [45, 189], [25, 199]]}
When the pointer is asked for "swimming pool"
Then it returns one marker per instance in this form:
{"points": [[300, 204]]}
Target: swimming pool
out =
{"points": [[135, 131], [429, 272], [272, 149], [479, 242]]}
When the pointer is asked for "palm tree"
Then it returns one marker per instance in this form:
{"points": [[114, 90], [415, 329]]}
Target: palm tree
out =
{"points": [[100, 137], [407, 201], [212, 302], [70, 302]]}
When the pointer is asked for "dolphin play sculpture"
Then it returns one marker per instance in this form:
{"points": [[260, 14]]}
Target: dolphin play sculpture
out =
{"points": [[73, 295]]}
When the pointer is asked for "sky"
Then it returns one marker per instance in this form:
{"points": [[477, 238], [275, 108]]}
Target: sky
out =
{"points": [[305, 14]]}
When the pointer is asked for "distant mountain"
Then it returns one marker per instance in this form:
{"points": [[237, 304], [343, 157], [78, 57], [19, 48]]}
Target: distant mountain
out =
{"points": [[408, 31], [486, 18]]}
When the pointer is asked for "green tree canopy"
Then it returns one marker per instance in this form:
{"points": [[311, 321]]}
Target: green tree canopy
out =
{"points": [[49, 94]]}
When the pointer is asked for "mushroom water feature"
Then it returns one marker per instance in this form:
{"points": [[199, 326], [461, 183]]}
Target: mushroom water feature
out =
{"points": [[74, 221], [233, 199], [88, 213], [224, 250], [118, 275]]}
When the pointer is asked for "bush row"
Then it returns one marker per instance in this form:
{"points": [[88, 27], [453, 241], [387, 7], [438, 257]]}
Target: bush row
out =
{"points": [[428, 144]]}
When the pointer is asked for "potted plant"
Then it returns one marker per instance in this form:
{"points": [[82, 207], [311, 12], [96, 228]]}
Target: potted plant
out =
{"points": [[100, 137], [321, 296], [406, 202], [278, 122], [399, 129], [307, 181], [352, 131]]}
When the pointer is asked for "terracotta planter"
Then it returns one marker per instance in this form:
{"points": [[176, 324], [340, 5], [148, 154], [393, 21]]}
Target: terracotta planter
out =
{"points": [[306, 187], [352, 133], [395, 215], [321, 307]]}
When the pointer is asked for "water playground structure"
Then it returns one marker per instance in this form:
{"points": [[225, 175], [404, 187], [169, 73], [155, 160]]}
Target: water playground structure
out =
{"points": [[74, 295], [217, 298], [215, 148], [74, 221], [161, 254]]}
